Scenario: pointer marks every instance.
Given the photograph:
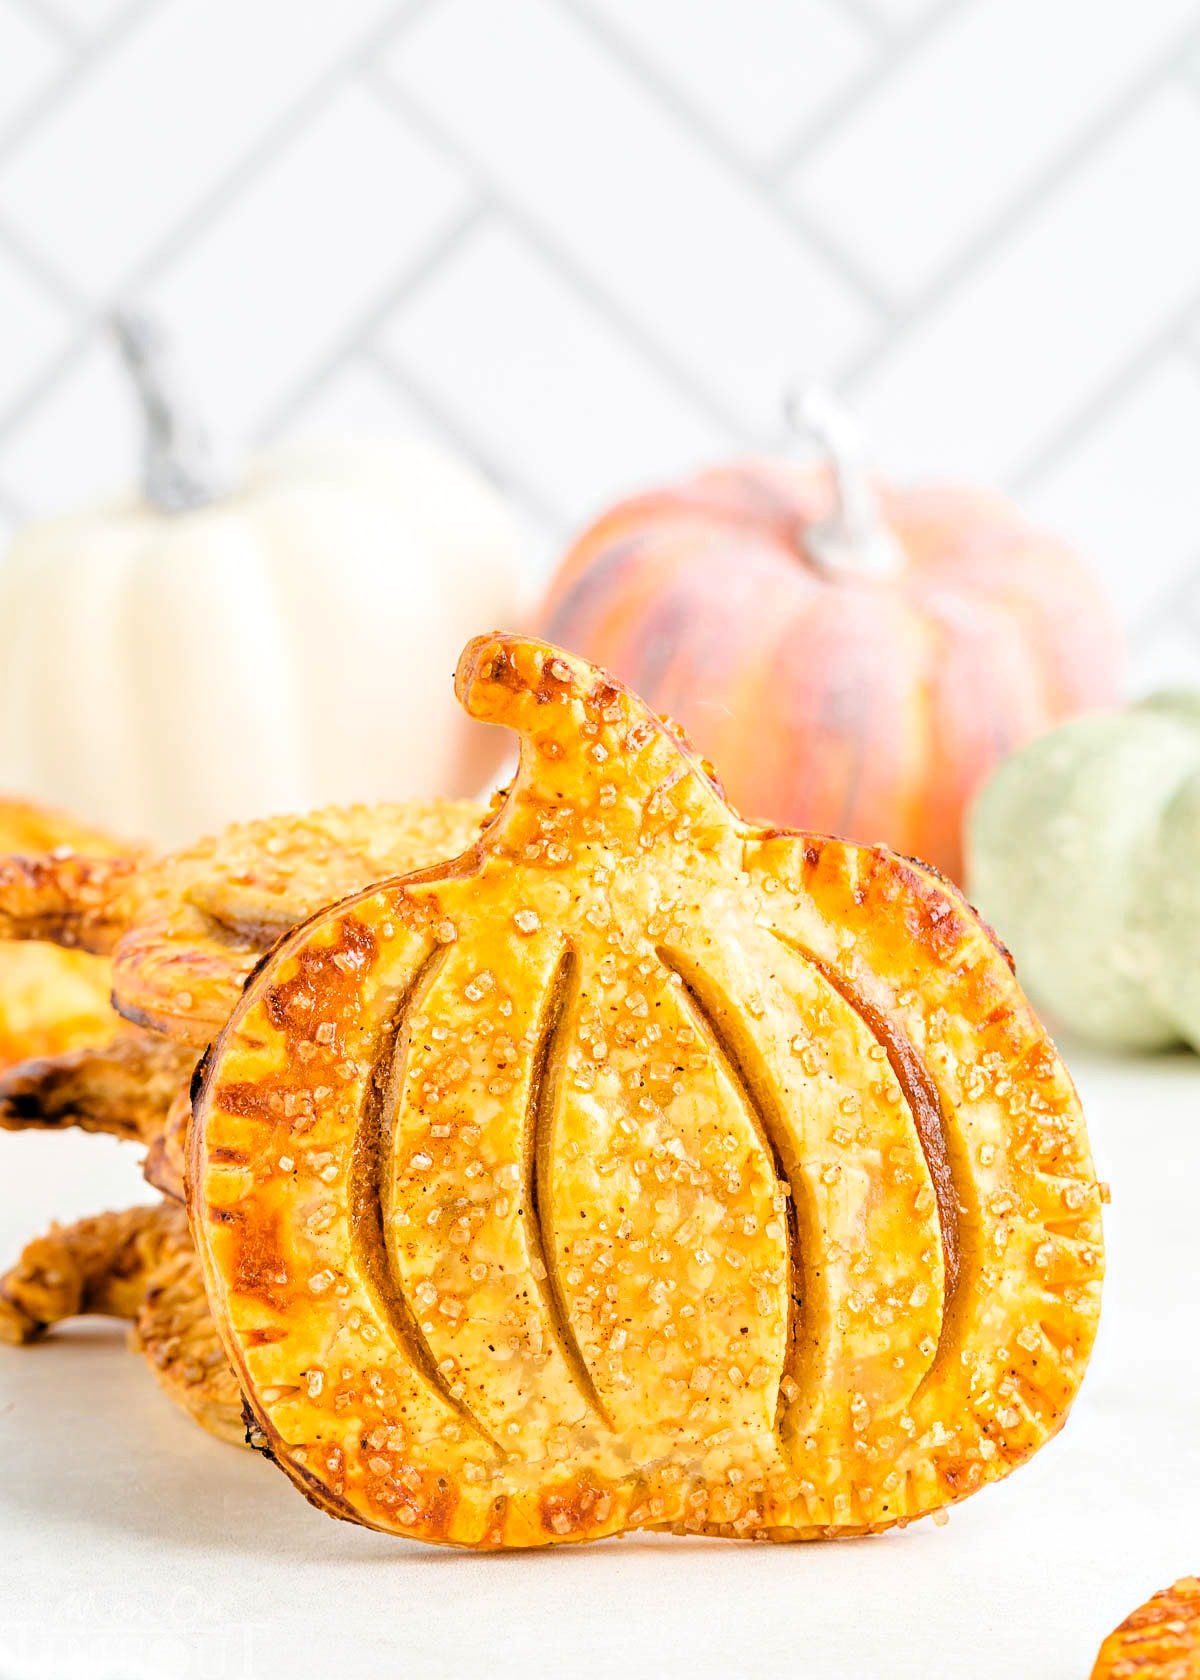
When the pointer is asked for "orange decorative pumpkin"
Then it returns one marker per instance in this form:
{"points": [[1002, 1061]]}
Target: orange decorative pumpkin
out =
{"points": [[856, 658]]}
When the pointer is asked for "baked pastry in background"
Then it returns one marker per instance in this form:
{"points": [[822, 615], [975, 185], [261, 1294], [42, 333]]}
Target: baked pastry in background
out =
{"points": [[184, 929], [179, 934], [51, 999]]}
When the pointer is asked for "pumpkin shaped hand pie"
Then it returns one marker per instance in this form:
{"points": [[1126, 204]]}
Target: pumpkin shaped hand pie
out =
{"points": [[1159, 1641], [641, 1168]]}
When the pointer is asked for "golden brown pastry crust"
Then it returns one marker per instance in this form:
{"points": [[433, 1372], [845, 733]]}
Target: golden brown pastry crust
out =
{"points": [[642, 1169], [207, 914], [66, 899], [27, 829], [97, 1265], [174, 1329], [140, 1265], [186, 929], [124, 1087], [1159, 1641], [166, 1159], [51, 1000]]}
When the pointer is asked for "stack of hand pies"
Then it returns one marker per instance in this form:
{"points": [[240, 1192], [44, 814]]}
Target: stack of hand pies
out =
{"points": [[600, 1162], [180, 934]]}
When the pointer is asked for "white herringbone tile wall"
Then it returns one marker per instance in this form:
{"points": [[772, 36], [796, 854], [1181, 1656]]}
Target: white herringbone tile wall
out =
{"points": [[589, 242]]}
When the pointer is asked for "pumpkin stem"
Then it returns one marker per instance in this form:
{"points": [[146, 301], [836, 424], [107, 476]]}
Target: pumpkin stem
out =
{"points": [[854, 541], [178, 472], [587, 743]]}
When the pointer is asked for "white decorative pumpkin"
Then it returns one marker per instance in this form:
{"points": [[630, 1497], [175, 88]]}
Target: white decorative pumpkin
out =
{"points": [[1083, 851], [188, 656]]}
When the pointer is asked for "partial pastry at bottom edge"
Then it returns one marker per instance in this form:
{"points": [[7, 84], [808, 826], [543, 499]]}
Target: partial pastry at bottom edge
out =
{"points": [[1158, 1641]]}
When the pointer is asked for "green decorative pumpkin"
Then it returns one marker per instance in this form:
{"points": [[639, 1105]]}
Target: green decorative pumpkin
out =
{"points": [[1083, 850]]}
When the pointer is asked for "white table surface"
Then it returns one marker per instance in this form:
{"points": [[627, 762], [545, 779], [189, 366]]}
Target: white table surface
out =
{"points": [[132, 1545]]}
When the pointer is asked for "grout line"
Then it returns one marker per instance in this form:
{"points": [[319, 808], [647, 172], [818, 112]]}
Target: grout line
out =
{"points": [[838, 261], [1189, 343], [358, 340], [1180, 601], [207, 209], [843, 108], [1189, 72], [1078, 424], [87, 55], [498, 471], [651, 351], [45, 380], [405, 13], [11, 509], [50, 21], [972, 256], [863, 13], [251, 162], [46, 276]]}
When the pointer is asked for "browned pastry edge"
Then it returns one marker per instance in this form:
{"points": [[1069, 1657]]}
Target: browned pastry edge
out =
{"points": [[175, 1332], [96, 1265], [1159, 1641], [67, 898], [124, 1087]]}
